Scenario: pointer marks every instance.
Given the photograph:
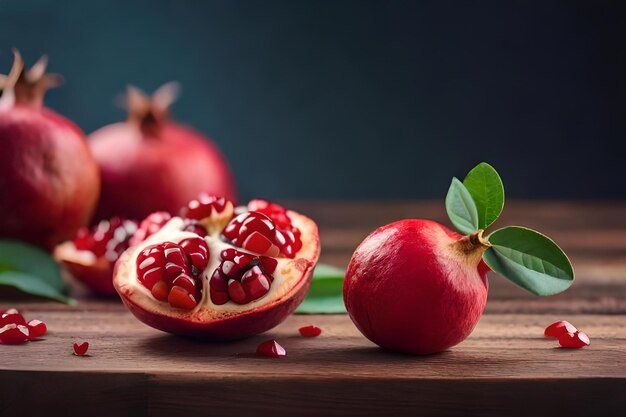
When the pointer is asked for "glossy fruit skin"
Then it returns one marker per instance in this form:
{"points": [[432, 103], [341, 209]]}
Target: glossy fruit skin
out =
{"points": [[148, 170], [409, 289], [50, 181]]}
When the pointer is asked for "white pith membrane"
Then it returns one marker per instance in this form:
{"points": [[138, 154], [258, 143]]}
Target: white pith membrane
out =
{"points": [[287, 276], [67, 252]]}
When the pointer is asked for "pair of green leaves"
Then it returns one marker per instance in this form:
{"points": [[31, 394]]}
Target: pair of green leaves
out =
{"points": [[31, 270], [526, 257]]}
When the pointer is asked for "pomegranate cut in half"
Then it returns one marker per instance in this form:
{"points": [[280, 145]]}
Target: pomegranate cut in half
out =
{"points": [[200, 276], [90, 257]]}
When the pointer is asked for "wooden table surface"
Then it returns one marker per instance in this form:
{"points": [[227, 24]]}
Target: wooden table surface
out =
{"points": [[506, 367]]}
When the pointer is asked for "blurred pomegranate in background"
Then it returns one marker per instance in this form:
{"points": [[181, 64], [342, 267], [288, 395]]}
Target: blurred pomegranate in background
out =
{"points": [[49, 182], [151, 163]]}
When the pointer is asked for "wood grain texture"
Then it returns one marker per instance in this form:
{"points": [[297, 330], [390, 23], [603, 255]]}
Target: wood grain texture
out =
{"points": [[506, 367]]}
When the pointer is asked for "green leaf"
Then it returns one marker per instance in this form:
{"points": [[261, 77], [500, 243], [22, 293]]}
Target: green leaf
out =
{"points": [[22, 257], [461, 208], [326, 293], [485, 186], [529, 259], [33, 285], [31, 270]]}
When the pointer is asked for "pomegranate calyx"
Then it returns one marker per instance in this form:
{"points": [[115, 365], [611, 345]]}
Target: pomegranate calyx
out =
{"points": [[149, 113], [473, 246], [29, 85]]}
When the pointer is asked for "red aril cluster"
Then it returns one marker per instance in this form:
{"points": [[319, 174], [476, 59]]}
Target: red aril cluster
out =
{"points": [[256, 232], [241, 277], [567, 334], [172, 271], [108, 238], [149, 226], [14, 330]]}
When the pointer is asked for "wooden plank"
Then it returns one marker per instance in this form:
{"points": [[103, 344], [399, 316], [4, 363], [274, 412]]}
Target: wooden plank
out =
{"points": [[134, 370], [509, 346]]}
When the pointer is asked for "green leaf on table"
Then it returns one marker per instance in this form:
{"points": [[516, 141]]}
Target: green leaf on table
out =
{"points": [[461, 208], [33, 285], [485, 187], [326, 293], [529, 259], [41, 274]]}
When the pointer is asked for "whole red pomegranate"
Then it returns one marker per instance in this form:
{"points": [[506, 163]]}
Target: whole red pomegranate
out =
{"points": [[151, 163], [49, 182], [416, 286]]}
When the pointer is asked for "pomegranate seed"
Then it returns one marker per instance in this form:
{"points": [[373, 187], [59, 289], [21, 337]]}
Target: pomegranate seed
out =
{"points": [[218, 288], [36, 328], [271, 348], [14, 334], [204, 207], [255, 283], [219, 297], [310, 331], [81, 349], [149, 226], [574, 340], [197, 251], [258, 243], [181, 298], [195, 227], [236, 292], [186, 282], [160, 291], [11, 316], [557, 328]]}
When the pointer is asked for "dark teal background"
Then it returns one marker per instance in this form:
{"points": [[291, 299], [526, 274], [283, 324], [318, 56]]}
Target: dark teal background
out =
{"points": [[358, 99]]}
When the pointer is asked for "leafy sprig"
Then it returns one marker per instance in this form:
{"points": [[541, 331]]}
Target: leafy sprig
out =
{"points": [[524, 256]]}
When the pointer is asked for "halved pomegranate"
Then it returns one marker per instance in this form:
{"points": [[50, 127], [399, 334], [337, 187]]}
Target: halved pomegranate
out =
{"points": [[219, 272], [90, 257]]}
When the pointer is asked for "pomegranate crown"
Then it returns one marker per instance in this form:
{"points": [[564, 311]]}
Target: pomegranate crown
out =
{"points": [[148, 111], [528, 258], [27, 86]]}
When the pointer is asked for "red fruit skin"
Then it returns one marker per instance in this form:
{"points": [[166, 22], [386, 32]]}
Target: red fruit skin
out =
{"points": [[143, 173], [407, 289], [50, 182]]}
